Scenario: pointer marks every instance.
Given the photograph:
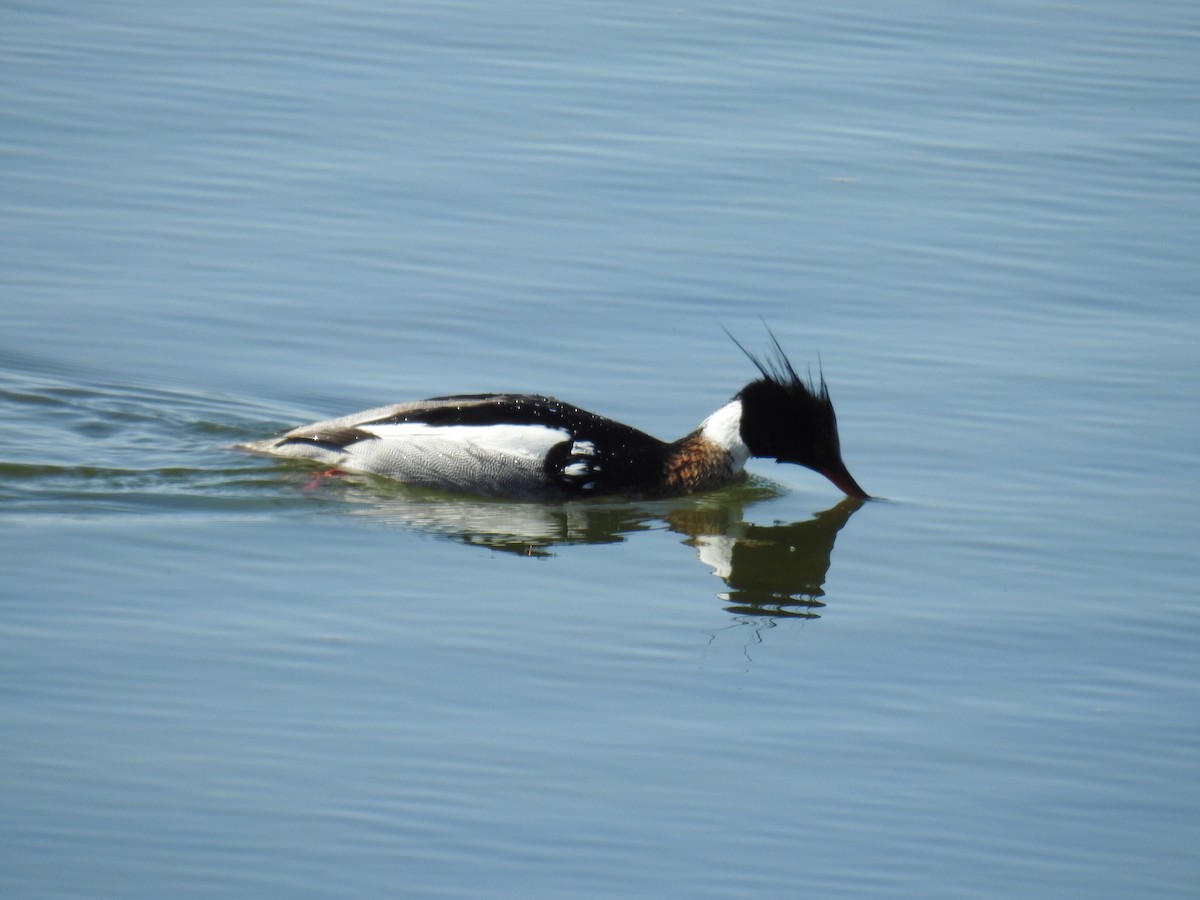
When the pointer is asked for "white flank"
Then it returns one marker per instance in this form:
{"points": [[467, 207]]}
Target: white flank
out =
{"points": [[523, 441], [724, 428]]}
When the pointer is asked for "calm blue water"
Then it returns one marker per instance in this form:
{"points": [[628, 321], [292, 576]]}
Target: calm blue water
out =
{"points": [[218, 678]]}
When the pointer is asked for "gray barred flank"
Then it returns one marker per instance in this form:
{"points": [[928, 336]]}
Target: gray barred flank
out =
{"points": [[334, 439]]}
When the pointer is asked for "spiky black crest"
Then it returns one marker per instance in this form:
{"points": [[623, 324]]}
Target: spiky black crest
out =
{"points": [[778, 370], [789, 418]]}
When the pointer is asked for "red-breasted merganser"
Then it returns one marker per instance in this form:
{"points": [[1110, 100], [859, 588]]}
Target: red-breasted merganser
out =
{"points": [[525, 446]]}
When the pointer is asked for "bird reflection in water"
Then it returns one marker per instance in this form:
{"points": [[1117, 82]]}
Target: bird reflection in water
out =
{"points": [[771, 570], [775, 570]]}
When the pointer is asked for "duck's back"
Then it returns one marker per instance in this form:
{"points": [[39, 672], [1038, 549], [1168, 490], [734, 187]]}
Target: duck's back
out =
{"points": [[505, 445]]}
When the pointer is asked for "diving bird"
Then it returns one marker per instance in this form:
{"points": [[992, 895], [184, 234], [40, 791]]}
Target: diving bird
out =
{"points": [[526, 446]]}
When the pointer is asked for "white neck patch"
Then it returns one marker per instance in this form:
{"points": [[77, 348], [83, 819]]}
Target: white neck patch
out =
{"points": [[724, 428]]}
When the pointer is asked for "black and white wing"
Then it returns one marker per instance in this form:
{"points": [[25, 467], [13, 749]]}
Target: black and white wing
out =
{"points": [[506, 445]]}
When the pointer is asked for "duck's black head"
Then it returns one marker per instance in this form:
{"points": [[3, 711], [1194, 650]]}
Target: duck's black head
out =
{"points": [[789, 419]]}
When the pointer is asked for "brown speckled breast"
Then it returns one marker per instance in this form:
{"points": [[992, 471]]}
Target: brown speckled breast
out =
{"points": [[697, 465]]}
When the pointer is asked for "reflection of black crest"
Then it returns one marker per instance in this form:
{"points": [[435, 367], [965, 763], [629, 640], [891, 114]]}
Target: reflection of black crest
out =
{"points": [[780, 570]]}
